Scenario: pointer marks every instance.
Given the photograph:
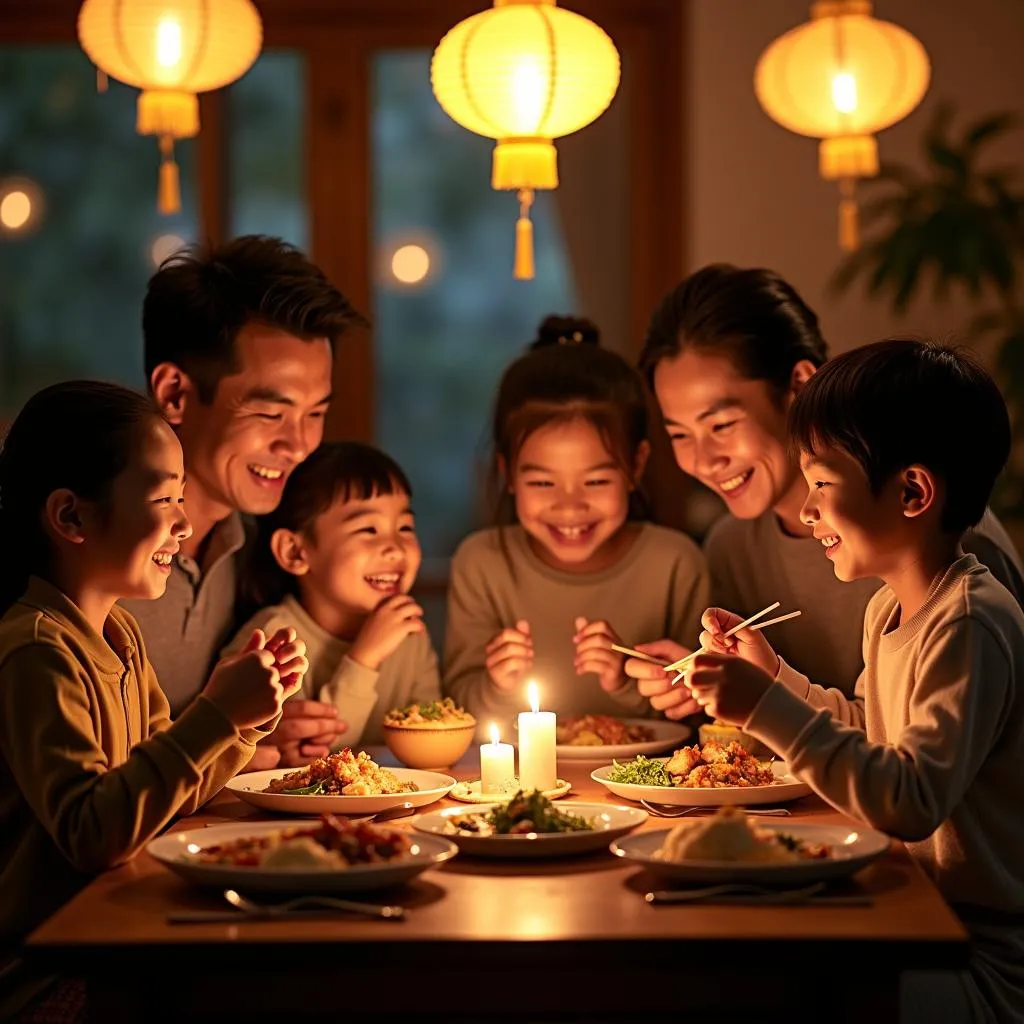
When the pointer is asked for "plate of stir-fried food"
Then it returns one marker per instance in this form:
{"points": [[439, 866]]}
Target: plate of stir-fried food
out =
{"points": [[731, 847], [333, 854], [599, 737], [345, 782], [714, 774], [531, 825]]}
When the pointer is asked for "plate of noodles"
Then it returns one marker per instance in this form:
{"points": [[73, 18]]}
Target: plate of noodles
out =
{"points": [[712, 775], [329, 855], [600, 737], [731, 848], [345, 782]]}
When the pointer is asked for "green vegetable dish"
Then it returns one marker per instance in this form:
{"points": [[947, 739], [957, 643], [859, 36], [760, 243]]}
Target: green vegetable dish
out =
{"points": [[533, 813], [640, 772]]}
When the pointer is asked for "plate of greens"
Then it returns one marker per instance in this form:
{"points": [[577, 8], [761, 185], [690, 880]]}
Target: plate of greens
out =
{"points": [[646, 778], [531, 826]]}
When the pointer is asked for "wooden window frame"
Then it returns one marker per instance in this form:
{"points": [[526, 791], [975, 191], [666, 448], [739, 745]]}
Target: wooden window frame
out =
{"points": [[338, 39]]}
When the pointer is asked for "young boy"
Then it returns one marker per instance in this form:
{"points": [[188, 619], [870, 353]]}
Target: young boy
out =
{"points": [[900, 443]]}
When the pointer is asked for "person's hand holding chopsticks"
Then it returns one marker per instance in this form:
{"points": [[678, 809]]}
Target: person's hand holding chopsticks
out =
{"points": [[655, 685], [726, 687], [748, 644]]}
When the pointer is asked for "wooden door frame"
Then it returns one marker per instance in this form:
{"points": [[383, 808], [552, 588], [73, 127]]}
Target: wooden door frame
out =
{"points": [[338, 39]]}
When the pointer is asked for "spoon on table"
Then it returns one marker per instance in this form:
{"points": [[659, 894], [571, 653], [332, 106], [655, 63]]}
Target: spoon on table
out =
{"points": [[236, 899]]}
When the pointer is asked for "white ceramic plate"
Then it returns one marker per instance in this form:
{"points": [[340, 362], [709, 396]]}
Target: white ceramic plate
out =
{"points": [[609, 822], [786, 787], [470, 792], [852, 848], [667, 736], [431, 786], [173, 851]]}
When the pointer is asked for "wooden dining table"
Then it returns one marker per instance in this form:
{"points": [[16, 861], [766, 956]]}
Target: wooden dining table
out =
{"points": [[569, 939]]}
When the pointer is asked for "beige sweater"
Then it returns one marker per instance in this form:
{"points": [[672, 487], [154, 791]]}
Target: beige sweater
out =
{"points": [[753, 563], [91, 767], [657, 589], [362, 696], [931, 752]]}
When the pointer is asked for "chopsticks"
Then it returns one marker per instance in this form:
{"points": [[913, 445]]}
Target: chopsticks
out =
{"points": [[679, 666], [639, 654]]}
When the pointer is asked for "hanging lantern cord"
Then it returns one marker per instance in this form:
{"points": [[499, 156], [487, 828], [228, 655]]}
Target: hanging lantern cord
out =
{"points": [[849, 226], [524, 237], [169, 196]]}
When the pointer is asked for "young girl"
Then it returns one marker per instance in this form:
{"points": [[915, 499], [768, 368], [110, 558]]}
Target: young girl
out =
{"points": [[726, 354], [92, 768], [336, 561], [547, 597]]}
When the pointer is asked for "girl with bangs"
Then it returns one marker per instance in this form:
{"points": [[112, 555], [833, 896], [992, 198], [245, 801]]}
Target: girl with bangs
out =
{"points": [[571, 568], [336, 561]]}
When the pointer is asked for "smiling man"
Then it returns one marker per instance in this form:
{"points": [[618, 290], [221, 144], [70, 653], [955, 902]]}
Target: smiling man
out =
{"points": [[238, 352]]}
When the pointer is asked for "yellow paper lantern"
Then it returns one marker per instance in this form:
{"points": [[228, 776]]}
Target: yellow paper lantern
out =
{"points": [[842, 77], [171, 50], [524, 74]]}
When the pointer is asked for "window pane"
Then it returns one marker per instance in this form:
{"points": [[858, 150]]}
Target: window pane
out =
{"points": [[72, 280], [442, 343], [266, 111]]}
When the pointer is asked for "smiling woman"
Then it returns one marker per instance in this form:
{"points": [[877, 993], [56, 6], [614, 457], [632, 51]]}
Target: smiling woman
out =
{"points": [[726, 354]]}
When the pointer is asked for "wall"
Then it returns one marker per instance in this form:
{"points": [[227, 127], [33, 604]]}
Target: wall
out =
{"points": [[754, 195]]}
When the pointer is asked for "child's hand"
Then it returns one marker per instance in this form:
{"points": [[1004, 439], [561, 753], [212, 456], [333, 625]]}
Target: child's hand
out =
{"points": [[593, 642], [246, 687], [748, 644], [510, 656], [289, 658], [391, 622], [655, 683], [726, 687]]}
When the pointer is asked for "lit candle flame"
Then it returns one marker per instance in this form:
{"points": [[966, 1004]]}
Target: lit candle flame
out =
{"points": [[533, 696], [495, 736]]}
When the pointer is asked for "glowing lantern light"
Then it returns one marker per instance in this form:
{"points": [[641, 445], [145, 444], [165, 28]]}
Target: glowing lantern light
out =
{"points": [[525, 73], [171, 50], [842, 77]]}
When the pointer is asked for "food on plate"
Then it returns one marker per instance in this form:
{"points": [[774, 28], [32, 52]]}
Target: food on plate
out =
{"points": [[731, 836], [724, 733], [334, 844], [522, 814], [710, 766], [341, 774], [434, 714], [601, 731]]}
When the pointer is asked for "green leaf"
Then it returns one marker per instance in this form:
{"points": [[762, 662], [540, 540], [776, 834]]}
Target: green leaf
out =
{"points": [[989, 128]]}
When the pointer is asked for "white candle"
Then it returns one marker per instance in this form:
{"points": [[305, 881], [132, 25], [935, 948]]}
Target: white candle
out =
{"points": [[536, 746], [497, 767]]}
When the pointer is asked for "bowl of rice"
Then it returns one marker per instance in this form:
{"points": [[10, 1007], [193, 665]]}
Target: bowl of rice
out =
{"points": [[429, 734]]}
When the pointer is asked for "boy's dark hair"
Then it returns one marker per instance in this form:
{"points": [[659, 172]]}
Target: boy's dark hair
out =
{"points": [[559, 383], [566, 330], [79, 434], [201, 297], [902, 401], [336, 471], [753, 317]]}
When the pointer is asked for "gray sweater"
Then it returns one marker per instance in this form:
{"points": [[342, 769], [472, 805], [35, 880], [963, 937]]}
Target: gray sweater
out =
{"points": [[931, 751], [657, 589]]}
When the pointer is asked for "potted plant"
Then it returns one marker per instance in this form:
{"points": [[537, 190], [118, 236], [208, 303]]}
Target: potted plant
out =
{"points": [[957, 223]]}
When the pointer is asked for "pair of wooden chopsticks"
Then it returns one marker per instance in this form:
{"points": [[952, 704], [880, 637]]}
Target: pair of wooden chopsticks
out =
{"points": [[679, 666]]}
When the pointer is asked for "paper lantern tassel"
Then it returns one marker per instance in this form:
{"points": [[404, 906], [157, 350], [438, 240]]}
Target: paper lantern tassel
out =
{"points": [[524, 237], [169, 196], [101, 80], [849, 218]]}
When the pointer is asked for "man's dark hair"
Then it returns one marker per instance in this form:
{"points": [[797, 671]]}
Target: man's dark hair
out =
{"points": [[751, 316], [201, 297], [902, 401]]}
